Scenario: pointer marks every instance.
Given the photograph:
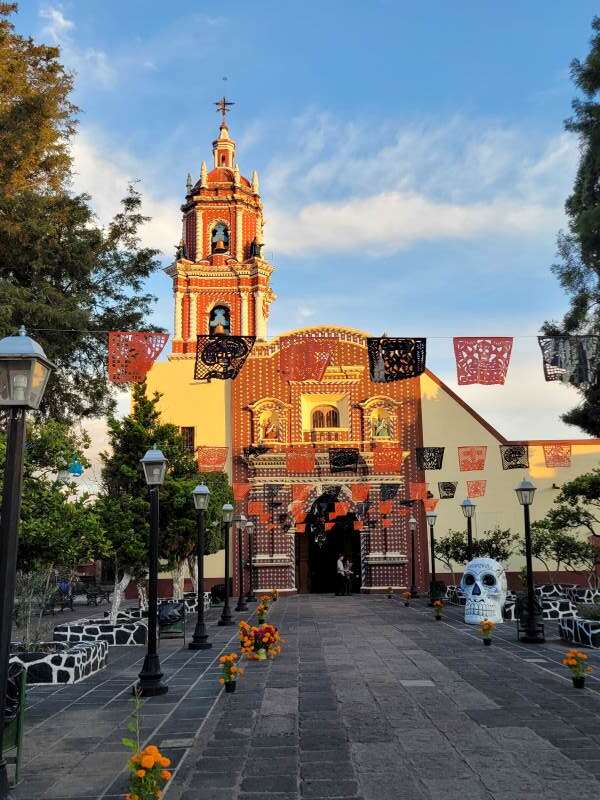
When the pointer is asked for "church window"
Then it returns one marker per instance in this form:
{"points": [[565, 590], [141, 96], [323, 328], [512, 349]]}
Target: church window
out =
{"points": [[325, 417], [219, 240], [220, 321], [187, 434]]}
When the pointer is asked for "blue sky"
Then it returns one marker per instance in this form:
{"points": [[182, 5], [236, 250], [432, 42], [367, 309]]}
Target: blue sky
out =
{"points": [[412, 157]]}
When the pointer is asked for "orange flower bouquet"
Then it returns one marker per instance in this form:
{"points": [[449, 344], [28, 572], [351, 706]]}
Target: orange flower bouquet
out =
{"points": [[259, 642], [148, 767], [486, 627], [575, 661], [230, 671], [262, 609], [438, 605], [406, 596]]}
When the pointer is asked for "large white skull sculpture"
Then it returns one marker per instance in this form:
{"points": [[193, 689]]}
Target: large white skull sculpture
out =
{"points": [[484, 586]]}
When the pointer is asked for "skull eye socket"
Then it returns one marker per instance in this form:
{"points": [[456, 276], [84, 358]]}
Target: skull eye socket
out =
{"points": [[488, 580], [469, 579]]}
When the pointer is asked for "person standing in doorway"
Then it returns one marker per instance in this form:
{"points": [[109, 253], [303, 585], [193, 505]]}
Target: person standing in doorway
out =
{"points": [[340, 575], [348, 575]]}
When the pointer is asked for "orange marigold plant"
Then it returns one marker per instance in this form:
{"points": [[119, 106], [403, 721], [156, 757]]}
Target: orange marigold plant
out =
{"points": [[486, 628], [230, 671], [147, 766], [575, 660]]}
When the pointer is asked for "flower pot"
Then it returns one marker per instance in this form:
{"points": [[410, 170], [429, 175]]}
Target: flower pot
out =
{"points": [[406, 603], [261, 620], [487, 642], [261, 655], [437, 619], [579, 682], [230, 687]]}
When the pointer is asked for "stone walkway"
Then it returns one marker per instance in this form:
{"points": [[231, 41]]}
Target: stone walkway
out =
{"points": [[376, 701], [369, 700]]}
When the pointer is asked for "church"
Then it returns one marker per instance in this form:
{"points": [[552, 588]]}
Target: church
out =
{"points": [[325, 458]]}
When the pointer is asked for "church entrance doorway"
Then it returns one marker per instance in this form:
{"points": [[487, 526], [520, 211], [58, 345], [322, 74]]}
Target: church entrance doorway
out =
{"points": [[318, 549]]}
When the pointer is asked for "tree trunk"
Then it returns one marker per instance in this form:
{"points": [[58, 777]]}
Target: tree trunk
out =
{"points": [[178, 580], [193, 570], [142, 595], [117, 595]]}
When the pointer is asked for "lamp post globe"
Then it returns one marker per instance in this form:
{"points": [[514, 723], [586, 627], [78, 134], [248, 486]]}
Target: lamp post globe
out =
{"points": [[240, 522], [24, 373], [201, 497], [412, 526], [533, 632], [150, 682], [227, 516], [468, 508], [431, 520], [250, 596]]}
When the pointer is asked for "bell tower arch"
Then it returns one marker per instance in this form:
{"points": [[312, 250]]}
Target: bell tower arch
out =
{"points": [[219, 262]]}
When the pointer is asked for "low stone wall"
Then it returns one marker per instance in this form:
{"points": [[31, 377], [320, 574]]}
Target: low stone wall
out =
{"points": [[555, 591], [585, 632], [582, 595], [551, 609], [99, 630], [71, 664]]}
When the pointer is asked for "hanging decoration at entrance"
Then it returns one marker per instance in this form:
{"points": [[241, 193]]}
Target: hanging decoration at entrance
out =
{"points": [[471, 458], [241, 491], [385, 506], [418, 491], [482, 360], [341, 508], [360, 492], [476, 488], [394, 359], [221, 357], [211, 459], [430, 504], [358, 525], [300, 462], [388, 491], [570, 359], [557, 455], [447, 489], [387, 461], [300, 491], [514, 456], [342, 459], [429, 457], [304, 358], [131, 354]]}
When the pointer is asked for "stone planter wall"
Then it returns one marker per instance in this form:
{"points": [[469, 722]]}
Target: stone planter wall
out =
{"points": [[552, 609], [71, 664], [582, 595], [98, 630], [555, 591], [585, 632]]}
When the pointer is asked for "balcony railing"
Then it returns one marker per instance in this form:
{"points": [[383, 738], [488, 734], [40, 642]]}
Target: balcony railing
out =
{"points": [[326, 435]]}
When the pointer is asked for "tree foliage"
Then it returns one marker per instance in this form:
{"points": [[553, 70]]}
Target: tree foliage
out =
{"points": [[578, 268], [497, 543], [64, 277]]}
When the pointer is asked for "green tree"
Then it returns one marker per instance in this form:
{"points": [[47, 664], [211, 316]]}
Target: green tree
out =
{"points": [[64, 277], [452, 550], [578, 269], [497, 543]]}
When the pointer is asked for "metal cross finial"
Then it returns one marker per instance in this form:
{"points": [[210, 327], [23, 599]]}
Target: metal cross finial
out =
{"points": [[223, 105]]}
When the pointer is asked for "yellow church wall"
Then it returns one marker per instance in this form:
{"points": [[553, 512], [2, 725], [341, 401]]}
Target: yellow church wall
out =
{"points": [[447, 423]]}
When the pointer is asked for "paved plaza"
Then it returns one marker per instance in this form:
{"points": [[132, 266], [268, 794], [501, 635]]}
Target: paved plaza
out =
{"points": [[369, 700]]}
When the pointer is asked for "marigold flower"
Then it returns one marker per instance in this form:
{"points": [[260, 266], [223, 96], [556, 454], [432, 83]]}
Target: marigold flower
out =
{"points": [[147, 761], [221, 680], [164, 761], [152, 750], [140, 773], [165, 775]]}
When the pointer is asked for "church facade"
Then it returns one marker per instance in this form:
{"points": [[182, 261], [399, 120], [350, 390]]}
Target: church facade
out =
{"points": [[324, 460]]}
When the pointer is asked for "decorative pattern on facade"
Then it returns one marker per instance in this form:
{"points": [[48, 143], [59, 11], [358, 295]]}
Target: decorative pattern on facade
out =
{"points": [[211, 459]]}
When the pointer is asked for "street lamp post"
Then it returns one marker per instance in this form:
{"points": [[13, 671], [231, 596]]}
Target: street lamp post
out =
{"points": [[24, 373], [250, 596], [150, 678], [201, 495], [468, 509], [225, 618], [241, 521], [431, 519], [412, 524], [534, 628]]}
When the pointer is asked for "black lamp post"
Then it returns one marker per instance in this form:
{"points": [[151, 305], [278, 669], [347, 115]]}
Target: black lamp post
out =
{"points": [[250, 596], [24, 373], [431, 519], [201, 495], [240, 522], [150, 678], [412, 524], [225, 618], [468, 509], [534, 628]]}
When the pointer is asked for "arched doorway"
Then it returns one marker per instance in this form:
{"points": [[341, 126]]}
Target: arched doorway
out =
{"points": [[317, 549]]}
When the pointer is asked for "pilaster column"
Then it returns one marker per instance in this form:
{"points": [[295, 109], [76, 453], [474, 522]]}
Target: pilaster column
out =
{"points": [[244, 313], [239, 244], [199, 236], [193, 318], [177, 325], [259, 319]]}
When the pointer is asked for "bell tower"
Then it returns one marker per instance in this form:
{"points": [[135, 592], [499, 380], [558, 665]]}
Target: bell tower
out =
{"points": [[221, 281]]}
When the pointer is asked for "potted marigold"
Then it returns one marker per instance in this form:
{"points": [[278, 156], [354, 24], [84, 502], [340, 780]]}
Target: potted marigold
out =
{"points": [[486, 627], [148, 771], [230, 671], [259, 642], [406, 596], [274, 595], [438, 605], [263, 608], [390, 592], [575, 661]]}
